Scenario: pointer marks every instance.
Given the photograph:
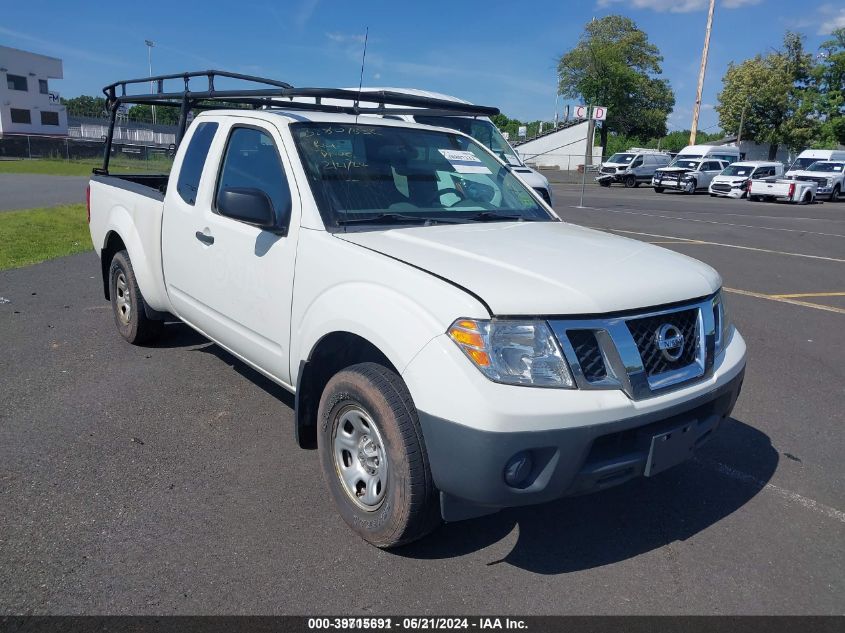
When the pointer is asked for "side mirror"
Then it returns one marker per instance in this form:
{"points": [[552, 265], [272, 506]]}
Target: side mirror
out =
{"points": [[249, 205]]}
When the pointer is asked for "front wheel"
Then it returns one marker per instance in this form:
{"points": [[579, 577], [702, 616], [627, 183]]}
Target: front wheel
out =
{"points": [[604, 183], [373, 456], [128, 305], [689, 188], [658, 190], [630, 181], [834, 195]]}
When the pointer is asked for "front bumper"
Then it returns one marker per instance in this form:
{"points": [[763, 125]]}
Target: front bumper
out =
{"points": [[734, 192], [669, 183], [579, 441]]}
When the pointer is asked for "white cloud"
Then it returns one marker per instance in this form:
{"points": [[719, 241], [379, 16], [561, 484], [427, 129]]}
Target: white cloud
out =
{"points": [[344, 38], [830, 18], [306, 10], [61, 49], [678, 6]]}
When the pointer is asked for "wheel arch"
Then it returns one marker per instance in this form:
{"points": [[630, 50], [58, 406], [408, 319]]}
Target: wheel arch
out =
{"points": [[331, 353]]}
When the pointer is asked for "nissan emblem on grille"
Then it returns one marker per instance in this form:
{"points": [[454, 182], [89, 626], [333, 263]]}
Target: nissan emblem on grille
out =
{"points": [[670, 342]]}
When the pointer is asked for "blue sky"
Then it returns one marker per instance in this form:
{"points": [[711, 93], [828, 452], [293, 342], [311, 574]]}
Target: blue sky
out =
{"points": [[495, 53]]}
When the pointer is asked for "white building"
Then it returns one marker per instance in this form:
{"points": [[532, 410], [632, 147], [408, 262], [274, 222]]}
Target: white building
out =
{"points": [[563, 148], [27, 104]]}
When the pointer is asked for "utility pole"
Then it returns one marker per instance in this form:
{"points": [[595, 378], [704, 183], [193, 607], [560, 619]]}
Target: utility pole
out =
{"points": [[150, 45], [696, 109], [741, 121], [588, 152]]}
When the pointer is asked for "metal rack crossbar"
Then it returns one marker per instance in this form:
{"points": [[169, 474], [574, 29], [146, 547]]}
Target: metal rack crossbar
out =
{"points": [[270, 94]]}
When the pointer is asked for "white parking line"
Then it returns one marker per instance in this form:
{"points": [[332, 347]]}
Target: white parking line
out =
{"points": [[745, 248], [794, 497], [781, 299], [672, 217]]}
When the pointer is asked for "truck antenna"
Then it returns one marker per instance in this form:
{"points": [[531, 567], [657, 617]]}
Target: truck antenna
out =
{"points": [[361, 79]]}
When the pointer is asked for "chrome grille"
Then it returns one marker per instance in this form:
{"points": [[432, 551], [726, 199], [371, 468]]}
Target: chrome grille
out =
{"points": [[644, 332], [822, 182], [589, 355], [621, 352]]}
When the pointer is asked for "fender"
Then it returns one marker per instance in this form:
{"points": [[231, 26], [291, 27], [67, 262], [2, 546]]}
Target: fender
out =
{"points": [[147, 271]]}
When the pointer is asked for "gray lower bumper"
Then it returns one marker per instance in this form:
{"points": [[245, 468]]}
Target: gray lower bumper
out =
{"points": [[468, 465]]}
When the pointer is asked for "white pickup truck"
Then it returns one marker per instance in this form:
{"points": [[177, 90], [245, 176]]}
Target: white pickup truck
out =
{"points": [[453, 347], [781, 190]]}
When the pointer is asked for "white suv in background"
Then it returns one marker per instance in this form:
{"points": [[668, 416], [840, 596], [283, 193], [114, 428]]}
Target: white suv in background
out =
{"points": [[632, 167], [733, 181]]}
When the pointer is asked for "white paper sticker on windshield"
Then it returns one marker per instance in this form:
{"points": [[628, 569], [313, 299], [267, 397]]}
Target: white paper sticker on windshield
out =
{"points": [[464, 162]]}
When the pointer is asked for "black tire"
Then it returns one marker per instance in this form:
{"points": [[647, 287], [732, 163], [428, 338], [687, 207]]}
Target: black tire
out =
{"points": [[637, 184], [753, 198], [658, 190], [604, 183], [691, 192], [409, 508], [629, 181], [807, 199], [128, 305], [712, 195], [834, 195]]}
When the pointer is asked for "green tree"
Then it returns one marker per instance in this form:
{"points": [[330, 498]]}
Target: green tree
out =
{"points": [[827, 81], [770, 96], [614, 65], [165, 115], [85, 105]]}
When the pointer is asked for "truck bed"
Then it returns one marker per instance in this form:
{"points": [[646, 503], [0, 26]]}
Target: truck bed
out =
{"points": [[131, 206]]}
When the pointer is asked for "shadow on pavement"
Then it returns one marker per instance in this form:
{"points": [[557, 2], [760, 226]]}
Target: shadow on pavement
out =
{"points": [[580, 533]]}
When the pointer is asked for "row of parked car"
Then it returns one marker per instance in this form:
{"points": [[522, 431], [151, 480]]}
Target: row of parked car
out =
{"points": [[719, 170]]}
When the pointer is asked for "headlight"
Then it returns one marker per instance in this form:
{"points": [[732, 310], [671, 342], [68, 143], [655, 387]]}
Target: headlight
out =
{"points": [[688, 176], [723, 322], [830, 182], [513, 352]]}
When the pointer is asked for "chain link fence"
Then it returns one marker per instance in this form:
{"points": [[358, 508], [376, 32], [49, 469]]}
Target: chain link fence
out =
{"points": [[125, 156]]}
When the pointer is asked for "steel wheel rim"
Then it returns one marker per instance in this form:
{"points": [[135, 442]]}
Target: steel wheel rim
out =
{"points": [[122, 301], [360, 458], [689, 188]]}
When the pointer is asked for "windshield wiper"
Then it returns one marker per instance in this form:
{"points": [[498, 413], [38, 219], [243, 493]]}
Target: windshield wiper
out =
{"points": [[395, 218], [490, 216]]}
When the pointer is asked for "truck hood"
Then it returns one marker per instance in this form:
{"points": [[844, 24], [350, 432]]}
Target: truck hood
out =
{"points": [[674, 170], [816, 174], [546, 268]]}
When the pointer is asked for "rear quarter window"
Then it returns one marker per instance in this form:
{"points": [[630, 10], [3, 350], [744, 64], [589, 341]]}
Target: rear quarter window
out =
{"points": [[194, 161]]}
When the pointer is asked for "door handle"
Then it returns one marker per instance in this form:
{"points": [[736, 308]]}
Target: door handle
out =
{"points": [[205, 239]]}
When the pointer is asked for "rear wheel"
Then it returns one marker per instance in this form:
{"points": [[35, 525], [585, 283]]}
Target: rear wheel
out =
{"points": [[373, 456], [128, 305]]}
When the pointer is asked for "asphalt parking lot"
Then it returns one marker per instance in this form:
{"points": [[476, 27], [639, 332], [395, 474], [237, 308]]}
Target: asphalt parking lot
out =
{"points": [[166, 480], [27, 191]]}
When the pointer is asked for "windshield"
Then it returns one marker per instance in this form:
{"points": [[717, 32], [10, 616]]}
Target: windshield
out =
{"points": [[359, 172], [621, 158], [801, 164], [824, 165], [684, 158], [737, 170], [686, 163], [482, 131]]}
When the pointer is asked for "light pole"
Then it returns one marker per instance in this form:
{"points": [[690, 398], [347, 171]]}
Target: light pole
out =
{"points": [[697, 107], [150, 45]]}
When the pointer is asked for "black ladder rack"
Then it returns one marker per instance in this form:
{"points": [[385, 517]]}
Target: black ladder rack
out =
{"points": [[271, 93]]}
